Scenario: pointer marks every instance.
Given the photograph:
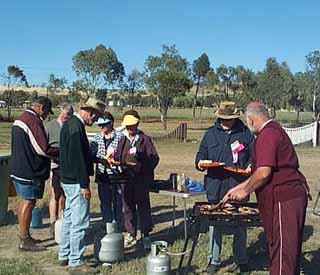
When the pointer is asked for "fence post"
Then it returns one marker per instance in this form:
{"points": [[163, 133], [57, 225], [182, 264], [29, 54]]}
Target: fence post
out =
{"points": [[315, 134]]}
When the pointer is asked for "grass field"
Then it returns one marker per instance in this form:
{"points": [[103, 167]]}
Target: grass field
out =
{"points": [[175, 157]]}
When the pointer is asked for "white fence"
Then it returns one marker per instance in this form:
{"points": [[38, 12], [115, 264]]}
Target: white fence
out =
{"points": [[303, 134]]}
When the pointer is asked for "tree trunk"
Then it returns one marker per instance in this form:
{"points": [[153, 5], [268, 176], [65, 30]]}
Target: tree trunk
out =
{"points": [[195, 98], [274, 114], [314, 101], [163, 117], [9, 104], [202, 100], [298, 116], [132, 97], [226, 91]]}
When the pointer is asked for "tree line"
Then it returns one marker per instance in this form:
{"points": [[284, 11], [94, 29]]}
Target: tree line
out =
{"points": [[169, 80]]}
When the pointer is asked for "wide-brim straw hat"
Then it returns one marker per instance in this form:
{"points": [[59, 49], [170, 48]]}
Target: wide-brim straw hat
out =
{"points": [[227, 110], [129, 120], [94, 104]]}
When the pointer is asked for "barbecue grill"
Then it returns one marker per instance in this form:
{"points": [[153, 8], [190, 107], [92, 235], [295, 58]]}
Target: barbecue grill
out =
{"points": [[231, 214], [232, 217]]}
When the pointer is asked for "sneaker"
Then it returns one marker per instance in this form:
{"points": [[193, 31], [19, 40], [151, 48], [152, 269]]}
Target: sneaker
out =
{"points": [[63, 262], [146, 243], [82, 269], [28, 245], [35, 241], [129, 240], [52, 230], [212, 269], [244, 268]]}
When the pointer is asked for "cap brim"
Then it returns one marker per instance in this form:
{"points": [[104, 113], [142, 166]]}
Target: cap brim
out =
{"points": [[103, 122], [228, 116], [129, 124]]}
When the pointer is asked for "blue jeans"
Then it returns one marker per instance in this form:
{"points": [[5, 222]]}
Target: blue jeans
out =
{"points": [[110, 202], [74, 224], [239, 244]]}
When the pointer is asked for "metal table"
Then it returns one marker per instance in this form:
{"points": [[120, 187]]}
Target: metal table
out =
{"points": [[184, 196]]}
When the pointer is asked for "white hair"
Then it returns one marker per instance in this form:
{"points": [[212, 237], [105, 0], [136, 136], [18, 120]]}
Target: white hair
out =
{"points": [[257, 109], [66, 108]]}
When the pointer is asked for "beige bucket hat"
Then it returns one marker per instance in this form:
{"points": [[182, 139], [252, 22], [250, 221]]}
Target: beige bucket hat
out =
{"points": [[95, 104], [227, 110]]}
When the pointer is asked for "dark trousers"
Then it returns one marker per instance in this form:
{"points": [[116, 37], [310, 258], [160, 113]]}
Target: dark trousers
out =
{"points": [[136, 200], [285, 239], [110, 202]]}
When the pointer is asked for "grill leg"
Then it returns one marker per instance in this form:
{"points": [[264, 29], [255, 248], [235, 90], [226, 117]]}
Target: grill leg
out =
{"points": [[315, 206], [194, 243], [185, 218], [173, 212], [184, 250]]}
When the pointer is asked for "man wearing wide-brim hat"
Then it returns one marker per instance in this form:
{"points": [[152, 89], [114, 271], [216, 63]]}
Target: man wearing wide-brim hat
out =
{"points": [[228, 141], [76, 166]]}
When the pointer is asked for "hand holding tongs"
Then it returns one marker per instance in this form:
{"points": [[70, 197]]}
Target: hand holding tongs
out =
{"points": [[222, 203]]}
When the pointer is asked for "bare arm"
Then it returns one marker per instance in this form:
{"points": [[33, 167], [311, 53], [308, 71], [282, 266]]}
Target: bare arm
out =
{"points": [[258, 179]]}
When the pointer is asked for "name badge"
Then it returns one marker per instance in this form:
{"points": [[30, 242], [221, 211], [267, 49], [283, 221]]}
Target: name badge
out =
{"points": [[133, 151], [236, 147]]}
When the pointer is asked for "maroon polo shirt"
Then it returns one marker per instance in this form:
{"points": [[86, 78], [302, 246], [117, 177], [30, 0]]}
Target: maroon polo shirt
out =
{"points": [[273, 148]]}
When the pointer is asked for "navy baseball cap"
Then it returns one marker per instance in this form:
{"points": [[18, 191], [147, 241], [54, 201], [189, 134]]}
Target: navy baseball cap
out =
{"points": [[46, 102]]}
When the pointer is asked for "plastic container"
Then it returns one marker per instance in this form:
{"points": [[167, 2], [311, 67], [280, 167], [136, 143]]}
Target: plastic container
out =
{"points": [[5, 166], [36, 219]]}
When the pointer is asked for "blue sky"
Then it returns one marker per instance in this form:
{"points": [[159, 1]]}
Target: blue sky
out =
{"points": [[42, 36]]}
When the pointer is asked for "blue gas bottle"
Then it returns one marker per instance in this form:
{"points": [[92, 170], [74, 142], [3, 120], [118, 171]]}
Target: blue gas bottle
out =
{"points": [[36, 219]]}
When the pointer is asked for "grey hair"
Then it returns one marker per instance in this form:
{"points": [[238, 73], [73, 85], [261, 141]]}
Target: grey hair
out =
{"points": [[66, 108], [257, 109]]}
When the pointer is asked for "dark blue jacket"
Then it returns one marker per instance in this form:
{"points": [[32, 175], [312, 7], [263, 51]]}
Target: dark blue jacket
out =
{"points": [[216, 146]]}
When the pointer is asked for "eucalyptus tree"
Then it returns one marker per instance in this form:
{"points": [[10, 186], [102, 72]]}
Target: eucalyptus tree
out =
{"points": [[167, 76], [200, 68], [13, 77], [132, 83], [313, 69], [98, 68]]}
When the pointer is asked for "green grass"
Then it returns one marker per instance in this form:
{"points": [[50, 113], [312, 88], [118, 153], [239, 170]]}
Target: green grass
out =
{"points": [[15, 267], [177, 157]]}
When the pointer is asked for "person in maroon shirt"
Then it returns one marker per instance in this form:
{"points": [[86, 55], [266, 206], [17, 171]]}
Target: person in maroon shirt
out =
{"points": [[281, 190]]}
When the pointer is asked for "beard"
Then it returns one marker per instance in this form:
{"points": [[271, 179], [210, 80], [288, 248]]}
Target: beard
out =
{"points": [[253, 130]]}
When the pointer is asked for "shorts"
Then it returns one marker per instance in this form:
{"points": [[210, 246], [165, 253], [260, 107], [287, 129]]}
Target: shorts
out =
{"points": [[31, 190], [55, 179]]}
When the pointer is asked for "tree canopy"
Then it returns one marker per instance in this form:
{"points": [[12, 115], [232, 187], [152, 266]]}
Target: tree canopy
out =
{"points": [[98, 68]]}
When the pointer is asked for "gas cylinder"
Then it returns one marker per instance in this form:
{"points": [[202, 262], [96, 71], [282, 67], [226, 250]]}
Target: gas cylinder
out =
{"points": [[36, 219], [112, 245], [57, 230], [158, 261]]}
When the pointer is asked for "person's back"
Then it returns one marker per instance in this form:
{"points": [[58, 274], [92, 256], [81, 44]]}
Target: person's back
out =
{"points": [[28, 150], [74, 147], [30, 165], [53, 129]]}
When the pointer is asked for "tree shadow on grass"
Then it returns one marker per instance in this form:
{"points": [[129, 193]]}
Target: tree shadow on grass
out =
{"points": [[167, 216], [311, 262], [258, 254], [259, 258]]}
